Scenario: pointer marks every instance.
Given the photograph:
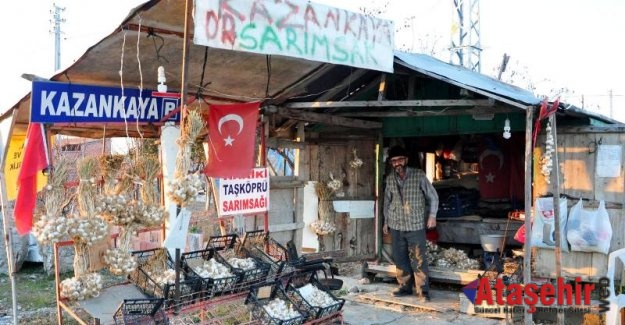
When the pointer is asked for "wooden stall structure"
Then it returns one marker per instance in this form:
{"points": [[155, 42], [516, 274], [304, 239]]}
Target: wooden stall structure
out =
{"points": [[328, 115], [577, 154]]}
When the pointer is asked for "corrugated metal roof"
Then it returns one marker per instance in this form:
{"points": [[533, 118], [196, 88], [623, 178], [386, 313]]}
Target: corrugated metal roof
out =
{"points": [[461, 76]]}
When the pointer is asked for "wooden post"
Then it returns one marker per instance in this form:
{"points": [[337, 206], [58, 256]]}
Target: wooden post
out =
{"points": [[527, 247], [8, 243], [555, 175]]}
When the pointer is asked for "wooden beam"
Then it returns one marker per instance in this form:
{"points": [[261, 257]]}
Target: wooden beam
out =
{"points": [[438, 112], [276, 143], [617, 128], [394, 103], [323, 118], [340, 88]]}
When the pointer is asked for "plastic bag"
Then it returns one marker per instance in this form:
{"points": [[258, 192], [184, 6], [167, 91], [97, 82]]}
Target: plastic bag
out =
{"points": [[589, 230], [543, 226], [520, 234]]}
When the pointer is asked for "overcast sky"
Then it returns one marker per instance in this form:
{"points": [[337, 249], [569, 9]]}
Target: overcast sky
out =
{"points": [[554, 45]]}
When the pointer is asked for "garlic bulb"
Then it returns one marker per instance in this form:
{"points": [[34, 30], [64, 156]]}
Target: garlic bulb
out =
{"points": [[277, 308], [120, 261], [242, 263], [450, 258], [316, 297]]}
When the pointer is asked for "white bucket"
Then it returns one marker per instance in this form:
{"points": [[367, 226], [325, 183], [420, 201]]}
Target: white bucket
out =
{"points": [[492, 243]]}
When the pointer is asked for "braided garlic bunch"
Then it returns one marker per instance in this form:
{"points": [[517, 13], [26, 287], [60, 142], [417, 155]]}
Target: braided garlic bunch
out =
{"points": [[82, 287], [120, 261], [49, 229], [115, 209], [183, 189], [149, 215], [88, 230]]}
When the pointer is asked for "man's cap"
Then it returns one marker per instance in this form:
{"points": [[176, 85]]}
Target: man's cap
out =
{"points": [[397, 151]]}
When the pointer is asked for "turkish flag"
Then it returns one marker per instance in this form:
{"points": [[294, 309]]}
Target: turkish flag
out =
{"points": [[231, 139], [35, 159]]}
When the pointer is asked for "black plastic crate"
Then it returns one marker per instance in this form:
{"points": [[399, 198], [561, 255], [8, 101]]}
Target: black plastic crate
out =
{"points": [[189, 287], [221, 242], [259, 296], [210, 287], [276, 266], [456, 202], [249, 277], [254, 238], [141, 311], [314, 312]]}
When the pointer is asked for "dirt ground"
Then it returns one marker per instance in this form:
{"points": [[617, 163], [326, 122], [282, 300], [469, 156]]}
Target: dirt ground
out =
{"points": [[37, 303]]}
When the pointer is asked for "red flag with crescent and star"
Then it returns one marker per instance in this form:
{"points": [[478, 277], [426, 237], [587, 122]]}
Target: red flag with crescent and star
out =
{"points": [[231, 139]]}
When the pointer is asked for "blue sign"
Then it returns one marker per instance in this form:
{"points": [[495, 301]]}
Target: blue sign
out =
{"points": [[57, 102]]}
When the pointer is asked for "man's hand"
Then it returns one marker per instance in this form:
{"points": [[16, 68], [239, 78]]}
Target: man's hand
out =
{"points": [[431, 222], [385, 229]]}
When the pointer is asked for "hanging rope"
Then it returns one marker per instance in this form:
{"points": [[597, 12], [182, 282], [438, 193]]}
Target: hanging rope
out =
{"points": [[139, 114], [121, 83]]}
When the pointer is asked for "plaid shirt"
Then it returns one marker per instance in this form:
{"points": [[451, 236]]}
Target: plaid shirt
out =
{"points": [[416, 191]]}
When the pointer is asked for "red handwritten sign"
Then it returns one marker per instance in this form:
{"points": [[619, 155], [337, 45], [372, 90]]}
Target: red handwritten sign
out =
{"points": [[298, 29]]}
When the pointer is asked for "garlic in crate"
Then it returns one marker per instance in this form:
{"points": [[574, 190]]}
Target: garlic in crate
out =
{"points": [[166, 277], [242, 263], [316, 297], [277, 308], [212, 269]]}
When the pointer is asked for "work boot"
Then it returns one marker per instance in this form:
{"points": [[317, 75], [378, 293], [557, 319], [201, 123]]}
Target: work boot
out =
{"points": [[402, 292]]}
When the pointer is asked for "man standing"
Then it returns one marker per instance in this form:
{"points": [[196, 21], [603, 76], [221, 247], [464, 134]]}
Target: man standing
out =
{"points": [[409, 198]]}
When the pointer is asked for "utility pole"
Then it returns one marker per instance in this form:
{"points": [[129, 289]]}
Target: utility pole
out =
{"points": [[56, 30], [467, 51]]}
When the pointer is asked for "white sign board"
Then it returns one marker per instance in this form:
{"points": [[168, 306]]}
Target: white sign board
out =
{"points": [[298, 29], [244, 195], [609, 160]]}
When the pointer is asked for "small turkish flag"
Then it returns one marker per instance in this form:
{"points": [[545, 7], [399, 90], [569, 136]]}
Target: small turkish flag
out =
{"points": [[231, 139]]}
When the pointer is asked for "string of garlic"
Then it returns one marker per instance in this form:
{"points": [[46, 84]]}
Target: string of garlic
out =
{"points": [[114, 209], [356, 162], [547, 161], [321, 227]]}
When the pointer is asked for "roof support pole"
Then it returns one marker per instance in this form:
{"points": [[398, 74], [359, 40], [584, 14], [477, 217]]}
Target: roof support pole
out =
{"points": [[185, 62], [527, 247], [556, 208]]}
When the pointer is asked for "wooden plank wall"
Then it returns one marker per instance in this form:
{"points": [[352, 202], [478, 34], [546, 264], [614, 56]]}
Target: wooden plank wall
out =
{"points": [[356, 237], [577, 157]]}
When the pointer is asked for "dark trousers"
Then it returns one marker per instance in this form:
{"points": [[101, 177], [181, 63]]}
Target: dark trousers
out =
{"points": [[409, 253]]}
